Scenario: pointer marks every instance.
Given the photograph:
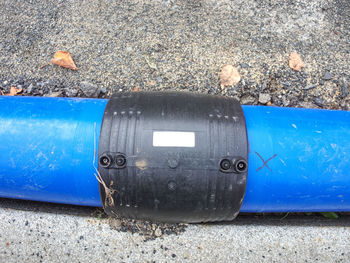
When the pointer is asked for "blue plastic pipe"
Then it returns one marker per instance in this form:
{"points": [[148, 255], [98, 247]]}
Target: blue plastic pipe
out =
{"points": [[47, 149], [299, 159]]}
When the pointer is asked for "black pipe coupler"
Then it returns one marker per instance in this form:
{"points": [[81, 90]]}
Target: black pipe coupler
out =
{"points": [[173, 157]]}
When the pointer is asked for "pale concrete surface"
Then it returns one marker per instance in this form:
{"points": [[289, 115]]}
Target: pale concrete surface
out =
{"points": [[38, 232]]}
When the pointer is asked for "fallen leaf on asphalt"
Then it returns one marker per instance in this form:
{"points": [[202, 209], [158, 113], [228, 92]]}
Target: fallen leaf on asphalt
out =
{"points": [[229, 76], [295, 61], [13, 91], [64, 59]]}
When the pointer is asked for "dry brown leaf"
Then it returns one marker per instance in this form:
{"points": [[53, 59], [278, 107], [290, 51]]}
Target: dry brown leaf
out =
{"points": [[295, 61], [13, 91], [64, 59], [229, 76]]}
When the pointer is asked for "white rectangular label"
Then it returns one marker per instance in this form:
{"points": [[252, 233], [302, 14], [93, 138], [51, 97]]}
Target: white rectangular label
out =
{"points": [[173, 139]]}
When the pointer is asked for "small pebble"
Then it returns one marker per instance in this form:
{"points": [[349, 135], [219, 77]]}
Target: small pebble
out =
{"points": [[319, 102], [89, 89], [158, 232], [344, 90], [30, 88], [103, 90], [327, 76], [264, 98], [247, 100], [71, 92], [54, 94], [115, 224], [311, 86]]}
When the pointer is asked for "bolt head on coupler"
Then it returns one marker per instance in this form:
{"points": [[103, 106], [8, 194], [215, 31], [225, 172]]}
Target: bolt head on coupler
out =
{"points": [[173, 157]]}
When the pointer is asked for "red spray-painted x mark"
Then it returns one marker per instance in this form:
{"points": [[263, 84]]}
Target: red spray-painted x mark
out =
{"points": [[265, 162]]}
